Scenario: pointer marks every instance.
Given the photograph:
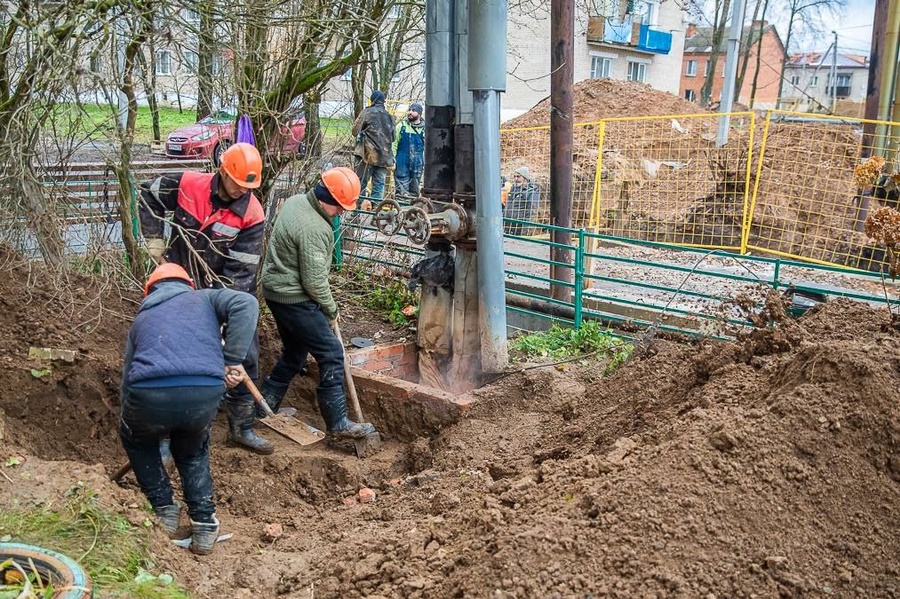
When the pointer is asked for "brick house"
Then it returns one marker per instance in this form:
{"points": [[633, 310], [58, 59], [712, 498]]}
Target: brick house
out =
{"points": [[761, 37]]}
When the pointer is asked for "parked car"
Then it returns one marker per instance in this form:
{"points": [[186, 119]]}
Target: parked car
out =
{"points": [[214, 133]]}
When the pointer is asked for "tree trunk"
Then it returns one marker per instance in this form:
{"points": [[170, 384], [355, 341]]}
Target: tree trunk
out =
{"points": [[718, 34], [758, 59], [739, 82], [313, 139], [206, 49], [787, 46]]}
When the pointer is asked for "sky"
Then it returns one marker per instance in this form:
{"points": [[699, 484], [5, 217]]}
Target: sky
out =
{"points": [[854, 28], [853, 24]]}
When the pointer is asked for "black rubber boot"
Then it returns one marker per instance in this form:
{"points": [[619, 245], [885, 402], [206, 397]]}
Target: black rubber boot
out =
{"points": [[204, 535], [274, 392], [169, 517], [241, 417], [333, 406]]}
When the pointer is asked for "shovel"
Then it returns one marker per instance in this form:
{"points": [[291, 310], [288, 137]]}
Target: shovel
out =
{"points": [[371, 442], [290, 427]]}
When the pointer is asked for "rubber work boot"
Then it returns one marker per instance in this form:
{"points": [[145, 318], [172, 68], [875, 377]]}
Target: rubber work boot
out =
{"points": [[274, 393], [334, 411], [204, 535], [169, 517], [241, 417]]}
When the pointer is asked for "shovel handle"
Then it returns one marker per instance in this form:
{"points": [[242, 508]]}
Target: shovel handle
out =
{"points": [[348, 377], [257, 397]]}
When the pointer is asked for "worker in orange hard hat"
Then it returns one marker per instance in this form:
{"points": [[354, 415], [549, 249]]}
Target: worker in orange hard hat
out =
{"points": [[175, 371], [217, 228], [295, 285]]}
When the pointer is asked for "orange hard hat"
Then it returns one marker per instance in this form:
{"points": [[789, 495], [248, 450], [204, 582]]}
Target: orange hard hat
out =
{"points": [[167, 270], [243, 163], [343, 185]]}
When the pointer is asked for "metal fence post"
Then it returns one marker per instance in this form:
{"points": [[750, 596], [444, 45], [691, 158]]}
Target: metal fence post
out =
{"points": [[579, 278], [338, 258]]}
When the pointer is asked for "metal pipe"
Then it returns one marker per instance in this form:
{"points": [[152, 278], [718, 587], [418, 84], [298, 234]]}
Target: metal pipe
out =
{"points": [[731, 59], [489, 231], [888, 86], [440, 83], [833, 75], [487, 78]]}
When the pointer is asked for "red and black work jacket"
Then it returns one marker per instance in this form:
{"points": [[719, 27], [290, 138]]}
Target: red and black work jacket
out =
{"points": [[219, 243]]}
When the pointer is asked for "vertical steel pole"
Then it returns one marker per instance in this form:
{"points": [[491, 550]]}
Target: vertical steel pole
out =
{"points": [[487, 78], [731, 60]]}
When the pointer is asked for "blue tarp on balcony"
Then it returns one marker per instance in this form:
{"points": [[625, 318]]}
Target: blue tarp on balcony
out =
{"points": [[652, 40]]}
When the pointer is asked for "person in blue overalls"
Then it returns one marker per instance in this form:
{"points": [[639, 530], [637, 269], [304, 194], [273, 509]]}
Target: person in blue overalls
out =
{"points": [[409, 151]]}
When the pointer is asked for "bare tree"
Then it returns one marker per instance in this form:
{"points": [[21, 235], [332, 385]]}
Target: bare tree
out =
{"points": [[719, 20], [809, 13]]}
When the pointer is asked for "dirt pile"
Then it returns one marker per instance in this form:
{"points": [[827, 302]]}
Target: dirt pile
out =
{"points": [[767, 466], [595, 99]]}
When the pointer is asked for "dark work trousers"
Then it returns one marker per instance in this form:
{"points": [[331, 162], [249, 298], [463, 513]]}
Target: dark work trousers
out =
{"points": [[304, 330], [184, 414]]}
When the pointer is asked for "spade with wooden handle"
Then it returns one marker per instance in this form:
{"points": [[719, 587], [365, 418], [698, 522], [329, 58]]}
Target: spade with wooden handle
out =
{"points": [[290, 427]]}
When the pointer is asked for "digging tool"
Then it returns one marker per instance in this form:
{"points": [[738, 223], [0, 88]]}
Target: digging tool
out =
{"points": [[371, 442], [118, 474], [290, 427]]}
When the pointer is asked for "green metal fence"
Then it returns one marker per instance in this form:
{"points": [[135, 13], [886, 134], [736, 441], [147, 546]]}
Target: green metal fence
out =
{"points": [[632, 285]]}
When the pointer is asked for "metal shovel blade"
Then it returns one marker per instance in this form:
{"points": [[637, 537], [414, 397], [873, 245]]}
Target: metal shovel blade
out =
{"points": [[290, 427], [293, 429], [368, 445]]}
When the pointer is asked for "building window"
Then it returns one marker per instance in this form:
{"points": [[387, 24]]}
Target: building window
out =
{"points": [[190, 16], [795, 80], [691, 70], [600, 67], [814, 81], [645, 11], [190, 61], [690, 95], [218, 64], [706, 69], [163, 62], [637, 71], [347, 75]]}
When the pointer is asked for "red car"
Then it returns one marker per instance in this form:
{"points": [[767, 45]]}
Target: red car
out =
{"points": [[213, 134]]}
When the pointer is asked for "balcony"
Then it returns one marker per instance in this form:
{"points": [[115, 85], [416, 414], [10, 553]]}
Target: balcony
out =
{"points": [[624, 31], [841, 91], [652, 40]]}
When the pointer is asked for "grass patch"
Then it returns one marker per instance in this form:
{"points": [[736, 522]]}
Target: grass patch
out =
{"points": [[388, 296], [99, 120], [562, 342], [115, 553]]}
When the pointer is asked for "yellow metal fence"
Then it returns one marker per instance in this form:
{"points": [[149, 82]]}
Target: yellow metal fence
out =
{"points": [[789, 184]]}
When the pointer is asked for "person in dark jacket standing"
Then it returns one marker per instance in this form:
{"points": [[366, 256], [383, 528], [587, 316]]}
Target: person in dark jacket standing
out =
{"points": [[295, 285], [174, 374], [521, 202], [409, 151], [217, 236], [374, 131]]}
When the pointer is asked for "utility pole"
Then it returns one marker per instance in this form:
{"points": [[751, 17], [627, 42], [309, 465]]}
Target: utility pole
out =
{"points": [[731, 60], [834, 74], [562, 77]]}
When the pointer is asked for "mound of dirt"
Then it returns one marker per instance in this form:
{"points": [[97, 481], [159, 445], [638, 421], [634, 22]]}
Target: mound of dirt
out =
{"points": [[768, 466], [595, 99]]}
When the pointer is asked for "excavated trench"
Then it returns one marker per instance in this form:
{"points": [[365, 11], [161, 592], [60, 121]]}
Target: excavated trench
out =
{"points": [[71, 413]]}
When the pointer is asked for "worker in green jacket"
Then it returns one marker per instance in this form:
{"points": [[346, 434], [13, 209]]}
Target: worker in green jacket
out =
{"points": [[295, 285]]}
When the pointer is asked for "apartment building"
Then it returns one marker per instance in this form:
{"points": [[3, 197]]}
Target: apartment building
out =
{"points": [[630, 40], [766, 49], [808, 85]]}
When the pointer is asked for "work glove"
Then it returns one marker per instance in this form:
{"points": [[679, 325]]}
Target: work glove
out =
{"points": [[234, 375], [157, 249]]}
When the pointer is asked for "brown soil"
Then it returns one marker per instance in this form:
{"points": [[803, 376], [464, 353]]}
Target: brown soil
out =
{"points": [[765, 467], [806, 202]]}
